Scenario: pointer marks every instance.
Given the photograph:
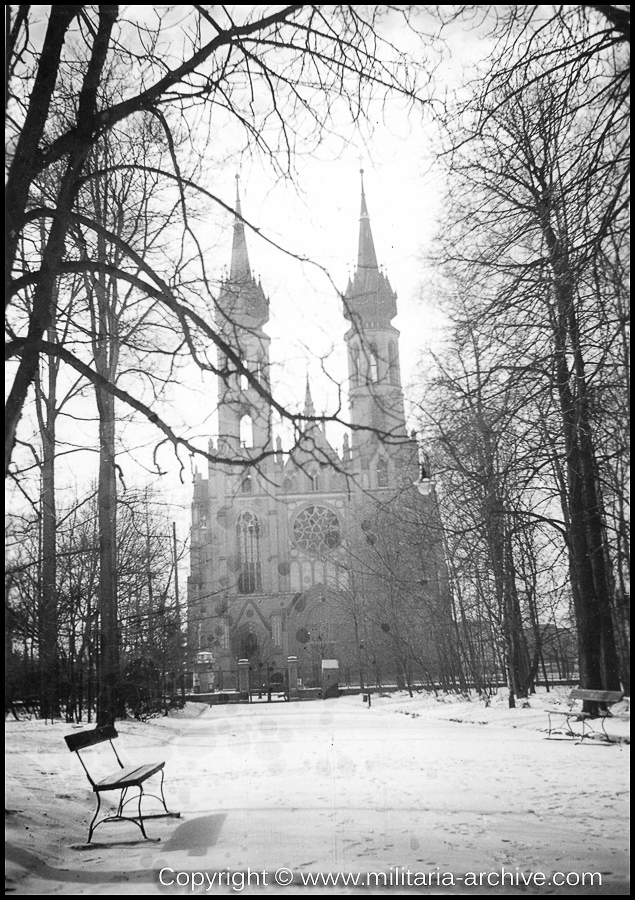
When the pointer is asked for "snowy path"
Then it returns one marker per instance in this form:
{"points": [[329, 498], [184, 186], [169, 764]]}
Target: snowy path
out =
{"points": [[327, 787]]}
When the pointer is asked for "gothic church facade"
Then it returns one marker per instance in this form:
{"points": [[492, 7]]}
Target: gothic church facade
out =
{"points": [[275, 572]]}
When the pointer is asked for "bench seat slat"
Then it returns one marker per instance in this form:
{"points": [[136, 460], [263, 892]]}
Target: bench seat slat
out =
{"points": [[129, 777], [83, 739], [596, 696], [575, 714]]}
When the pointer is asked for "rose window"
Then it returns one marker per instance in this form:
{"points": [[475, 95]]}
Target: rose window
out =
{"points": [[316, 529]]}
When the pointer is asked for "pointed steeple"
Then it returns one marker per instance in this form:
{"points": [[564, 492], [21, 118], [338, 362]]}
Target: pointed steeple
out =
{"points": [[369, 298], [366, 256], [242, 298], [240, 269], [309, 409]]}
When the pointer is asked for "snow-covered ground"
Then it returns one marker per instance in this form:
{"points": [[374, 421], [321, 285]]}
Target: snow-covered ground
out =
{"points": [[424, 794]]}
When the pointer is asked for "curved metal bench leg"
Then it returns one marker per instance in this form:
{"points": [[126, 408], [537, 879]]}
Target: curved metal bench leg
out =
{"points": [[143, 831], [605, 731], [92, 825], [122, 801], [165, 806], [118, 816]]}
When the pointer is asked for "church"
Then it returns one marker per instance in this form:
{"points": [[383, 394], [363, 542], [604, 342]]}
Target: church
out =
{"points": [[304, 554]]}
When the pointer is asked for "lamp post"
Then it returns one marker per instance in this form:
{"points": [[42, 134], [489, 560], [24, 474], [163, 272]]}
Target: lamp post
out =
{"points": [[425, 485]]}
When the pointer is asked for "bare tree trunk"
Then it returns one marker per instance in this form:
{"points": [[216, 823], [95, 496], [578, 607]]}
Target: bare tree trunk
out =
{"points": [[108, 702], [47, 613], [106, 355], [47, 630], [180, 658], [590, 580]]}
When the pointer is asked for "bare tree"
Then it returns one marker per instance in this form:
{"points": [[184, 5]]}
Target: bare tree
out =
{"points": [[148, 615], [491, 510], [285, 60], [397, 598], [543, 165], [52, 397], [123, 204]]}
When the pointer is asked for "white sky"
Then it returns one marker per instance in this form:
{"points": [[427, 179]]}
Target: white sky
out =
{"points": [[317, 217]]}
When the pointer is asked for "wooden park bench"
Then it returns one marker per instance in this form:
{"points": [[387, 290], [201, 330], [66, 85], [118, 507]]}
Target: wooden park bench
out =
{"points": [[124, 778], [574, 713]]}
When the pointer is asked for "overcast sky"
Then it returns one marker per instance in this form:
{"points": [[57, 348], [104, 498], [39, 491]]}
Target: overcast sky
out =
{"points": [[316, 216]]}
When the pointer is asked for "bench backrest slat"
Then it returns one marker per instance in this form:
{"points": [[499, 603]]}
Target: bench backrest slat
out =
{"points": [[83, 739], [596, 696]]}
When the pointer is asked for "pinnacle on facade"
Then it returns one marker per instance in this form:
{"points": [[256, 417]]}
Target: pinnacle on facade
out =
{"points": [[240, 269], [309, 409]]}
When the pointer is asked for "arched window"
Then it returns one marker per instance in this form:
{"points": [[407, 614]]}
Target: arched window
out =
{"points": [[246, 485], [243, 381], [374, 364], [248, 544], [276, 629], [382, 472], [314, 481], [246, 431], [392, 364]]}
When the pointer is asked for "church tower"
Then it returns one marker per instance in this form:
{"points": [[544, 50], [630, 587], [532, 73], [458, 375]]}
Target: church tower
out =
{"points": [[243, 310], [375, 394]]}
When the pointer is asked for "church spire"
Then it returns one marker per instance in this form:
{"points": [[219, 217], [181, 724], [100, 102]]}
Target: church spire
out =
{"points": [[241, 299], [369, 299], [240, 269], [366, 256], [309, 409]]}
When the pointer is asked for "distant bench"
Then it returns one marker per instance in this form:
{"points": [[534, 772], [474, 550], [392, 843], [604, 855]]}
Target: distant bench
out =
{"points": [[588, 720], [124, 778]]}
